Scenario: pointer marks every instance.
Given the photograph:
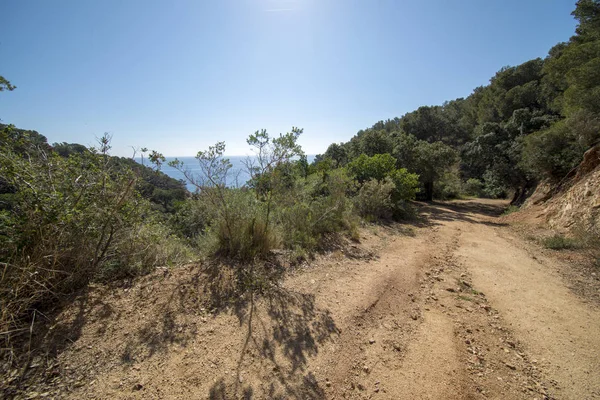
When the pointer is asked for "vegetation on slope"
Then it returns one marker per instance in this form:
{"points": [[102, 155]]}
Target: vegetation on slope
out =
{"points": [[70, 215], [532, 122]]}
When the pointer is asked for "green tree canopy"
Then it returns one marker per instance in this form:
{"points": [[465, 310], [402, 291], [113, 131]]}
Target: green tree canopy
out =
{"points": [[5, 84]]}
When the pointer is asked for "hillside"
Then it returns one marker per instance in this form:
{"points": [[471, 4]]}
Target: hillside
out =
{"points": [[575, 203], [451, 252]]}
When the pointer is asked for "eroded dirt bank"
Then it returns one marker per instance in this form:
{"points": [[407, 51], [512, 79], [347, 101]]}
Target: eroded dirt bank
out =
{"points": [[455, 306]]}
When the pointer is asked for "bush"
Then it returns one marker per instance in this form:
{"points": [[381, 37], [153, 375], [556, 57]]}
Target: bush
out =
{"points": [[560, 242], [493, 186], [406, 186], [390, 188], [448, 186], [192, 218], [510, 209], [473, 187], [240, 229], [374, 199], [226, 222], [587, 234], [365, 168], [143, 248], [67, 221], [316, 208], [238, 223], [552, 152]]}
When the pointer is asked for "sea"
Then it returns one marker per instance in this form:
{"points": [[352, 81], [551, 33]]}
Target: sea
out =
{"points": [[237, 176]]}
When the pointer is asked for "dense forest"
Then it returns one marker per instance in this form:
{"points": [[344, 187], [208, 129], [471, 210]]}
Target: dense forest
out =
{"points": [[71, 215]]}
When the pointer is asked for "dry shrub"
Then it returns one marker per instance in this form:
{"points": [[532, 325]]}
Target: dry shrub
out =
{"points": [[588, 234]]}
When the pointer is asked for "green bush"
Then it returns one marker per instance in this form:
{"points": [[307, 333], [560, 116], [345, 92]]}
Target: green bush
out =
{"points": [[448, 186], [390, 195], [67, 221], [316, 208], [493, 186], [406, 185], [241, 229], [473, 187], [226, 222], [374, 199], [192, 217], [587, 233], [510, 209], [239, 223], [552, 152], [365, 168], [141, 249]]}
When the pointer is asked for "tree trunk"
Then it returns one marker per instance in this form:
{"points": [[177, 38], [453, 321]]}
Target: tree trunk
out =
{"points": [[523, 192], [428, 191]]}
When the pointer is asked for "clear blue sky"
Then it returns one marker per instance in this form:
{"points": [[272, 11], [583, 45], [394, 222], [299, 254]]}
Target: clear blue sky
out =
{"points": [[177, 76]]}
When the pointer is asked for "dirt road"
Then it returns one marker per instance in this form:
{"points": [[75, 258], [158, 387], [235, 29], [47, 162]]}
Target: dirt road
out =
{"points": [[454, 307]]}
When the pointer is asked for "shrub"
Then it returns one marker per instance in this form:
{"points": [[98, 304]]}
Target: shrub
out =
{"points": [[238, 223], [473, 187], [587, 234], [316, 208], [448, 186], [365, 168], [493, 186], [240, 230], [552, 152], [192, 217], [374, 199], [560, 242], [67, 221], [510, 209], [390, 195], [141, 249], [406, 185]]}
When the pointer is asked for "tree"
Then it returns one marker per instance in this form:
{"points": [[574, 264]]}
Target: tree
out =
{"points": [[65, 149], [431, 161], [587, 12], [381, 168], [426, 123], [370, 142], [365, 168], [271, 154], [338, 153], [5, 84]]}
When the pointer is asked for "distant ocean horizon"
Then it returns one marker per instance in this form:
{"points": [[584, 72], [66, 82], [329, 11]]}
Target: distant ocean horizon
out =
{"points": [[237, 177]]}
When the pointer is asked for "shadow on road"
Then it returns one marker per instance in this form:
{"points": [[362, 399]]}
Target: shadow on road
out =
{"points": [[283, 328], [471, 211]]}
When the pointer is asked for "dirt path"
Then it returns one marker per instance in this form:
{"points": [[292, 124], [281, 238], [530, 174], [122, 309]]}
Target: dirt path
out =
{"points": [[550, 338], [557, 328], [456, 307]]}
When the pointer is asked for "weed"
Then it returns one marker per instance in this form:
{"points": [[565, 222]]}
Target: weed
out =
{"points": [[510, 209], [531, 238], [560, 242], [588, 235]]}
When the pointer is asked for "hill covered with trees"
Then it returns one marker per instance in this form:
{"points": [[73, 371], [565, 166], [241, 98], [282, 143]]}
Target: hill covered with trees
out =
{"points": [[532, 122]]}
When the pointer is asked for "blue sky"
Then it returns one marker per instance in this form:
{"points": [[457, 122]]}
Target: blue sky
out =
{"points": [[177, 76]]}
